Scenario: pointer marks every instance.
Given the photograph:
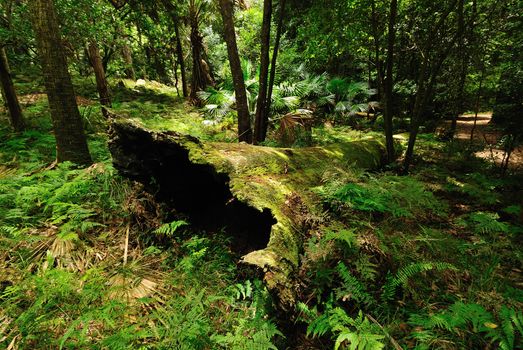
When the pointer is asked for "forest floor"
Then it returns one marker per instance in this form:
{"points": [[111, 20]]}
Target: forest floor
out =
{"points": [[90, 260], [488, 136]]}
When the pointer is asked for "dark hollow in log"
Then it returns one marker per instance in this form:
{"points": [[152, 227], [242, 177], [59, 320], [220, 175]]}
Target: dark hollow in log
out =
{"points": [[196, 190]]}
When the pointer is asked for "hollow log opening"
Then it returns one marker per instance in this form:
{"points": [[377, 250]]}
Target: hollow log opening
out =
{"points": [[196, 190]]}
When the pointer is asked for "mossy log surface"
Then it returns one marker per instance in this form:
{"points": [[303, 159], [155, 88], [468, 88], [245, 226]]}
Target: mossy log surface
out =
{"points": [[261, 189]]}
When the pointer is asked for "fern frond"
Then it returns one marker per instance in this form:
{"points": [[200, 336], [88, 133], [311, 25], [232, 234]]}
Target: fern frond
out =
{"points": [[346, 237], [405, 273], [352, 288], [170, 228]]}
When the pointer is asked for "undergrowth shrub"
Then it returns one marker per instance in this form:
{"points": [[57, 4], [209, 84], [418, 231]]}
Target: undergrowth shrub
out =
{"points": [[484, 224], [355, 333], [479, 327], [399, 197]]}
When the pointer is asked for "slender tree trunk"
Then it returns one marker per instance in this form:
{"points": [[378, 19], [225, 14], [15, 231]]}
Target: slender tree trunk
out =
{"points": [[425, 88], [181, 59], [9, 93], [375, 36], [463, 62], [415, 117], [261, 120], [101, 82], [272, 77], [244, 119], [201, 76], [389, 83], [71, 143], [128, 60], [171, 10], [476, 106]]}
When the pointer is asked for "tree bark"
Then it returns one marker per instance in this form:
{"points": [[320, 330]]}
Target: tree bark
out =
{"points": [[272, 77], [101, 82], [244, 118], [9, 93], [376, 40], [463, 66], [201, 76], [71, 143], [389, 83], [262, 118], [128, 59], [171, 10], [425, 86]]}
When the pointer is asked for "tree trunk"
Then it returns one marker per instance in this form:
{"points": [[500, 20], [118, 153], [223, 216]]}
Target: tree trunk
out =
{"points": [[101, 82], [262, 119], [171, 10], [276, 49], [463, 63], [425, 87], [477, 106], [201, 77], [128, 60], [9, 93], [375, 36], [261, 195], [389, 83], [71, 143], [244, 118]]}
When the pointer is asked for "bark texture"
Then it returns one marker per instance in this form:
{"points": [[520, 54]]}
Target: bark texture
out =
{"points": [[264, 191], [171, 10], [389, 83], [201, 75], [101, 81], [9, 93], [128, 59], [272, 76], [71, 143], [244, 118], [262, 118]]}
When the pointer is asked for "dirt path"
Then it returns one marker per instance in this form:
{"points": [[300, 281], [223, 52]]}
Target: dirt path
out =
{"points": [[487, 136]]}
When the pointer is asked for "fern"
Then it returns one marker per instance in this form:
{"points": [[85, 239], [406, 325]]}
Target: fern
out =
{"points": [[485, 223], [247, 338], [405, 273], [171, 228], [352, 333], [347, 237], [511, 324], [366, 268], [352, 288], [471, 317], [243, 291]]}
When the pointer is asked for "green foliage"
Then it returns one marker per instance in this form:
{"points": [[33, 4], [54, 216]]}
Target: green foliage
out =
{"points": [[484, 223], [247, 337], [170, 228], [349, 333], [351, 287], [476, 186], [402, 277], [401, 197], [502, 330]]}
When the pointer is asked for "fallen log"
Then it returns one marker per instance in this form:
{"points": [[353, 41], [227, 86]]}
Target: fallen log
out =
{"points": [[257, 193]]}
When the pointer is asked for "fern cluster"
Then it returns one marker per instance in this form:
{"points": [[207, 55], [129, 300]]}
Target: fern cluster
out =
{"points": [[505, 330], [356, 333], [403, 275], [400, 197]]}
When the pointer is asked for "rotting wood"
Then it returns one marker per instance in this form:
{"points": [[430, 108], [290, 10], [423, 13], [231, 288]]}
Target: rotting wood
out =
{"points": [[264, 182]]}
